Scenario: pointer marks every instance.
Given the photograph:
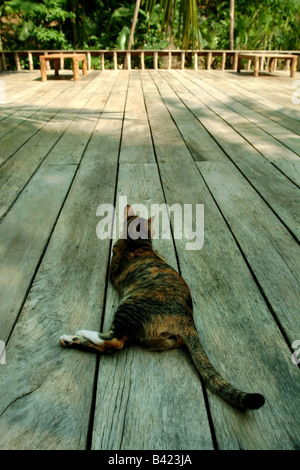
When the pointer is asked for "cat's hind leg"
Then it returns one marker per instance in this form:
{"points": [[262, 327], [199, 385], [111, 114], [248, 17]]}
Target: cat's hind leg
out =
{"points": [[102, 342]]}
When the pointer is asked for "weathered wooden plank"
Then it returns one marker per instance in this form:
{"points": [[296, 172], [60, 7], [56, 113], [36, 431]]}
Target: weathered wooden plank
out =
{"points": [[18, 238], [289, 166], [25, 130], [22, 111], [235, 322], [14, 139], [268, 99], [140, 407], [265, 90], [113, 428], [15, 89], [261, 105], [62, 140], [17, 171], [70, 147], [271, 251], [46, 400], [17, 137], [107, 133], [69, 290], [198, 139], [279, 91], [280, 155], [136, 138], [24, 234], [46, 396], [278, 132], [281, 194]]}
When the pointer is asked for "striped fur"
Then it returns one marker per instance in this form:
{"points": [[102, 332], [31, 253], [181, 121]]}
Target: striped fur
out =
{"points": [[156, 310]]}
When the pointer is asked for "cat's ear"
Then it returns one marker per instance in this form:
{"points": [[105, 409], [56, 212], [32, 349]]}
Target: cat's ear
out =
{"points": [[128, 212]]}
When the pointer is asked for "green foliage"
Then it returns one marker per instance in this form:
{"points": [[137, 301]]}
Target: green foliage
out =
{"points": [[268, 24], [179, 19], [32, 24], [105, 24], [122, 38]]}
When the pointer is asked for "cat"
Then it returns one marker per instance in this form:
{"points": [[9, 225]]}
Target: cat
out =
{"points": [[156, 310]]}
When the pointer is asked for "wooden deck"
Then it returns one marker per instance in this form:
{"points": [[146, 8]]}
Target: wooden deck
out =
{"points": [[228, 141]]}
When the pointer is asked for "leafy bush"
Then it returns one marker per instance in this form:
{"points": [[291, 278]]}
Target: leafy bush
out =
{"points": [[105, 24]]}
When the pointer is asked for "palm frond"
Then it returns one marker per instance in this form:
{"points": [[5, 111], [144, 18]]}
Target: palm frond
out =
{"points": [[188, 16]]}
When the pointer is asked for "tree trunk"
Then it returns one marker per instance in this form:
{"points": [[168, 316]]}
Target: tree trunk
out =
{"points": [[231, 31], [133, 26]]}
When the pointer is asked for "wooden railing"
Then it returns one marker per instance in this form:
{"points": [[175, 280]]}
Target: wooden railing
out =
{"points": [[115, 59]]}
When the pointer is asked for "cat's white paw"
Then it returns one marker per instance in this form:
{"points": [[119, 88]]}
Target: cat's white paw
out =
{"points": [[92, 336], [67, 340]]}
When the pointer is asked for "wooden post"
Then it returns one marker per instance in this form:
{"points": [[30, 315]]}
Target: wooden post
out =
{"points": [[248, 65], [75, 69], [155, 59], [256, 66], [209, 58], [239, 65], [279, 63], [3, 61], [169, 60], [56, 67], [62, 63], [182, 60], [195, 60], [43, 69], [84, 67], [30, 61], [128, 60], [47, 62], [115, 59], [235, 61], [294, 67], [89, 61], [102, 61], [17, 61], [223, 61], [262, 60], [142, 60], [271, 64]]}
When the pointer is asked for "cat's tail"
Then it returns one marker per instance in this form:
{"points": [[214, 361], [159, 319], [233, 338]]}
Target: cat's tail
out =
{"points": [[214, 381]]}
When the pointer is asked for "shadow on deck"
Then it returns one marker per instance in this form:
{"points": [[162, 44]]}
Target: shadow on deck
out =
{"points": [[227, 141]]}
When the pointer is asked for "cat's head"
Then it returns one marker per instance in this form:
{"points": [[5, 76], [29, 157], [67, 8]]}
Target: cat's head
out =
{"points": [[135, 228]]}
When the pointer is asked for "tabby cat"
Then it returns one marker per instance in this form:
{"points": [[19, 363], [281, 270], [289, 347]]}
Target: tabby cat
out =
{"points": [[156, 310]]}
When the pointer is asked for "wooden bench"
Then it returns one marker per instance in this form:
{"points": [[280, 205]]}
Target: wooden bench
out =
{"points": [[256, 57], [57, 57]]}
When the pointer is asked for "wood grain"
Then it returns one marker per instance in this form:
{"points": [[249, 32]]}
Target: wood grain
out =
{"points": [[182, 137], [271, 184], [269, 248], [68, 290], [153, 398], [217, 276]]}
